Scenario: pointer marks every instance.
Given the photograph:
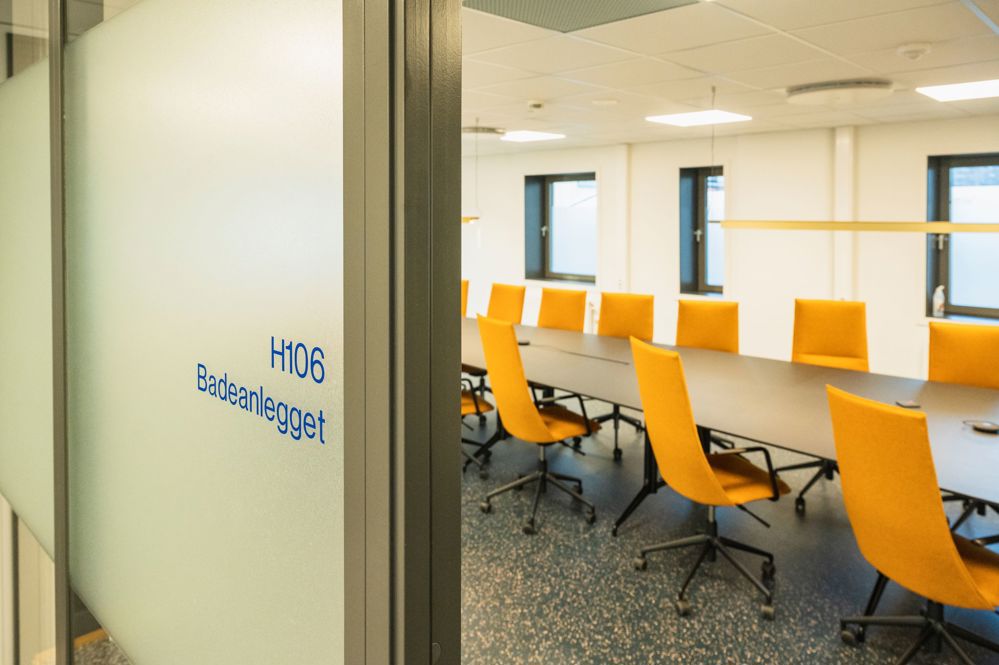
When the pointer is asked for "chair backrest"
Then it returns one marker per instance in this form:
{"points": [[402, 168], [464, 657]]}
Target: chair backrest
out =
{"points": [[670, 425], [626, 315], [708, 324], [464, 297], [831, 333], [563, 309], [893, 500], [965, 354], [509, 385], [506, 303]]}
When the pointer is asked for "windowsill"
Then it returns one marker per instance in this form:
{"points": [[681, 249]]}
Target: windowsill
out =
{"points": [[704, 295], [960, 318]]}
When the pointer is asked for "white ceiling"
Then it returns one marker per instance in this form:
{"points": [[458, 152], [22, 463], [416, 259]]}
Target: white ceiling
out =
{"points": [[749, 50]]}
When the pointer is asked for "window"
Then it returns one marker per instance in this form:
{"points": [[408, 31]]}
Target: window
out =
{"points": [[560, 224], [964, 189], [702, 242]]}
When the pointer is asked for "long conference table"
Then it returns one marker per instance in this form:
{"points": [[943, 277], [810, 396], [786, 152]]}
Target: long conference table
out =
{"points": [[773, 402]]}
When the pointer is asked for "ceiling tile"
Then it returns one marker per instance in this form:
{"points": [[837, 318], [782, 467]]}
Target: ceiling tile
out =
{"points": [[481, 32], [554, 54], [631, 73], [978, 71], [571, 15], [825, 118], [475, 74], [942, 54], [814, 71], [629, 105], [690, 90], [980, 107], [752, 53], [905, 112], [674, 29], [927, 24], [472, 100], [793, 14], [540, 88]]}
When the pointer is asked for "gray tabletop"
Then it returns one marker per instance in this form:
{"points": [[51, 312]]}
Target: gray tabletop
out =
{"points": [[769, 401]]}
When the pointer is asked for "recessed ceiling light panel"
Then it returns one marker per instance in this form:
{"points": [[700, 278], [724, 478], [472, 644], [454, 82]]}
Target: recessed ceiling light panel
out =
{"points": [[957, 91], [526, 136], [695, 118]]}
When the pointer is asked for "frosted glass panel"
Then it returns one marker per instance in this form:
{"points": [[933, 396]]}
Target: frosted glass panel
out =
{"points": [[205, 316], [974, 271], [574, 227], [715, 273], [25, 301]]}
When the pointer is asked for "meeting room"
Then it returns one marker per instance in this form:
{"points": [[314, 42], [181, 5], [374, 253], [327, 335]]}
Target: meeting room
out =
{"points": [[730, 353]]}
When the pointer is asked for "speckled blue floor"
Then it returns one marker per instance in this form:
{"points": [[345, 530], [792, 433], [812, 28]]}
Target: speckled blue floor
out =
{"points": [[570, 595]]}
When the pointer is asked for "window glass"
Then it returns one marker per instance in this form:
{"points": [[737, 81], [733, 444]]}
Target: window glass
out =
{"points": [[573, 243], [714, 272], [974, 271]]}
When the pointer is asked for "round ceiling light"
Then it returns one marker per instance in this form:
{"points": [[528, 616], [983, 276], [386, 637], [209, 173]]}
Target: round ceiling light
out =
{"points": [[839, 93]]}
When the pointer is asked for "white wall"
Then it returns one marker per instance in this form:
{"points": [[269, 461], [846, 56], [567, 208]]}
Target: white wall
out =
{"points": [[773, 176]]}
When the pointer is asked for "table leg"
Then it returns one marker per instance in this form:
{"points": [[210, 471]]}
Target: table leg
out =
{"points": [[650, 485]]}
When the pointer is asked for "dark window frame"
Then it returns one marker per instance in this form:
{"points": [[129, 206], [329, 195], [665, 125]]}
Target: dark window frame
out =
{"points": [[938, 245], [537, 223], [694, 230]]}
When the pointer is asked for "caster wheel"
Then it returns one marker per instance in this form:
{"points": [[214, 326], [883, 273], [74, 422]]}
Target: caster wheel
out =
{"points": [[799, 505], [486, 507], [614, 532], [682, 606], [483, 474], [617, 454], [641, 563], [487, 455], [591, 517], [768, 570], [482, 420], [528, 528], [520, 488], [851, 636], [767, 612], [576, 442]]}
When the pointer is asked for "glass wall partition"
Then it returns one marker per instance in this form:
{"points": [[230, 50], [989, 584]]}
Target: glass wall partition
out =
{"points": [[27, 580], [204, 235]]}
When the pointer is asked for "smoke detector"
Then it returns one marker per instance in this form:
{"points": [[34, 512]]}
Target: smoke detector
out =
{"points": [[839, 93], [914, 51]]}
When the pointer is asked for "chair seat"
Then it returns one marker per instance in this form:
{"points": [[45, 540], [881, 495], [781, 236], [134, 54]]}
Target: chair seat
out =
{"points": [[563, 423], [983, 564], [468, 404], [742, 480], [839, 362]]}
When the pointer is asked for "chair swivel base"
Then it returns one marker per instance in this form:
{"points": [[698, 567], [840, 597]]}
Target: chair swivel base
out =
{"points": [[824, 467], [712, 544], [616, 416], [543, 477], [481, 464], [935, 630]]}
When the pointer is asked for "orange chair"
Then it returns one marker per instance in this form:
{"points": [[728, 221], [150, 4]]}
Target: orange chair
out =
{"points": [[545, 423], [829, 333], [562, 309], [464, 297], [708, 324], [506, 303], [625, 315], [473, 404], [724, 479], [968, 355], [893, 502]]}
